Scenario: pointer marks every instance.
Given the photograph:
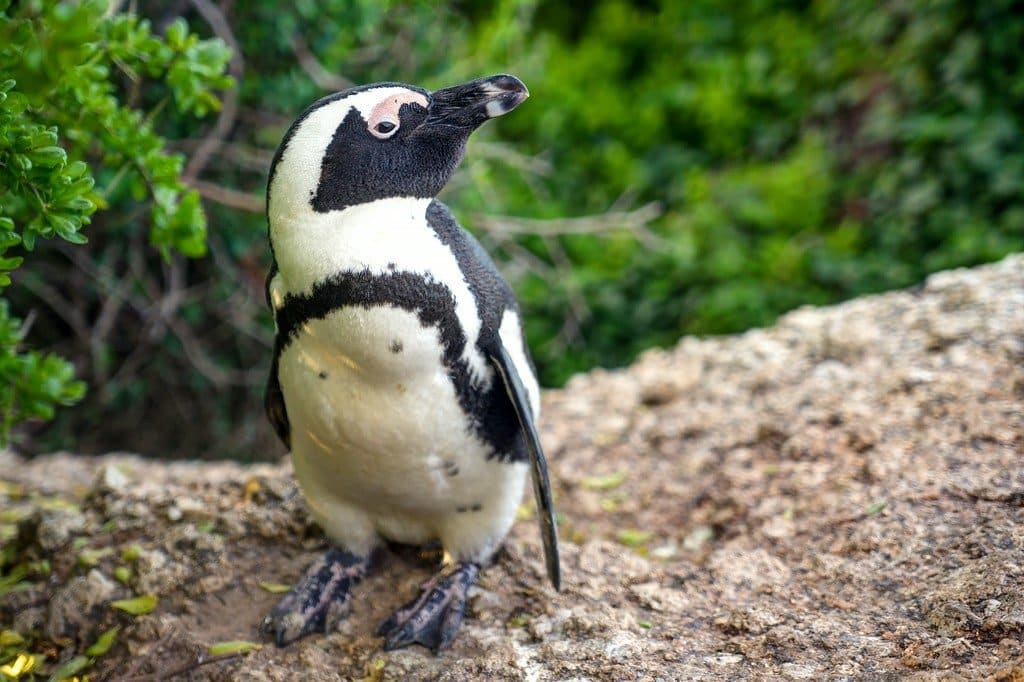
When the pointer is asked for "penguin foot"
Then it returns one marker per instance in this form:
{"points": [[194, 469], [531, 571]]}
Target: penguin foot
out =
{"points": [[433, 618], [319, 600]]}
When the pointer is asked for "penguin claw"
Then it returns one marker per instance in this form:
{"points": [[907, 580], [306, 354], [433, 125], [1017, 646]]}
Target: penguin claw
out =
{"points": [[434, 616], [319, 600]]}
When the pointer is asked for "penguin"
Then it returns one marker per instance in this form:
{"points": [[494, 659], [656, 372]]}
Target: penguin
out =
{"points": [[400, 381]]}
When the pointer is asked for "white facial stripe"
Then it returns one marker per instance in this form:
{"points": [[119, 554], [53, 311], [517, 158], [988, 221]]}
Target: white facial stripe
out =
{"points": [[298, 170], [311, 247]]}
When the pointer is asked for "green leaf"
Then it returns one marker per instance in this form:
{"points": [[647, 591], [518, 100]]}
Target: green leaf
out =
{"points": [[131, 552], [10, 637], [48, 157], [11, 581], [88, 558], [233, 647], [876, 508], [75, 238], [77, 169], [15, 103], [79, 205], [176, 33], [604, 482], [62, 224], [275, 588], [632, 537], [103, 642], [137, 606], [70, 669]]}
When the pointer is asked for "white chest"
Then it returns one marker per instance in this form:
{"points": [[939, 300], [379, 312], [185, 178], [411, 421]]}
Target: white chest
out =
{"points": [[375, 419]]}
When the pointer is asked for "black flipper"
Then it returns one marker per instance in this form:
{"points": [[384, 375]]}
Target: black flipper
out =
{"points": [[273, 403], [499, 357], [273, 399]]}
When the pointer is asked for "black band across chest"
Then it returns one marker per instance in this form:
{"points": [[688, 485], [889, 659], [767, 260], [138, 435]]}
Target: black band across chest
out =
{"points": [[485, 404]]}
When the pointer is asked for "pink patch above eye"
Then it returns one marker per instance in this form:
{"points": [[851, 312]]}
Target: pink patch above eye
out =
{"points": [[387, 109]]}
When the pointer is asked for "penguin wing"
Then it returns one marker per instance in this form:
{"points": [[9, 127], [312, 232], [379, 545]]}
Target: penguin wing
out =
{"points": [[273, 399], [273, 403], [506, 368]]}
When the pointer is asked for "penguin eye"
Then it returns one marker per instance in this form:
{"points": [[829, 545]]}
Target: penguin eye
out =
{"points": [[384, 129]]}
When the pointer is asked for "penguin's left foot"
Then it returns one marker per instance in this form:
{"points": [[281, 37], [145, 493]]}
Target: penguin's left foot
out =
{"points": [[320, 600], [433, 618]]}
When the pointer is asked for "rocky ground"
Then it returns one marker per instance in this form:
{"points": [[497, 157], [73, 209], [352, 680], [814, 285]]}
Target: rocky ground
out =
{"points": [[839, 496]]}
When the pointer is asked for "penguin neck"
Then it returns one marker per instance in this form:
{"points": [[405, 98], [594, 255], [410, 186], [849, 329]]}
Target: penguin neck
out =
{"points": [[310, 246]]}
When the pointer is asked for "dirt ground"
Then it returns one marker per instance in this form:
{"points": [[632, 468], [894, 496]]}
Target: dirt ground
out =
{"points": [[838, 497]]}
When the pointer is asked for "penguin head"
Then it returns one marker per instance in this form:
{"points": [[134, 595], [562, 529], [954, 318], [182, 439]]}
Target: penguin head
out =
{"points": [[380, 141]]}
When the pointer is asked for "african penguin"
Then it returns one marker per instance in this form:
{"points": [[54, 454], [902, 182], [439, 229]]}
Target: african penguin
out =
{"points": [[401, 380]]}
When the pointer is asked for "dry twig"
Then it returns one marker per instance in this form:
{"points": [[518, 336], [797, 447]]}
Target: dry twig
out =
{"points": [[227, 196], [229, 104], [323, 78], [635, 220]]}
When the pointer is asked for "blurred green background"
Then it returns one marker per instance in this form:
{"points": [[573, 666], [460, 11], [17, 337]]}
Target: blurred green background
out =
{"points": [[681, 168]]}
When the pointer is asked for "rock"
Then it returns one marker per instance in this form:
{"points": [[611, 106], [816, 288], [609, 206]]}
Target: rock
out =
{"points": [[72, 609], [110, 479], [838, 496], [57, 527]]}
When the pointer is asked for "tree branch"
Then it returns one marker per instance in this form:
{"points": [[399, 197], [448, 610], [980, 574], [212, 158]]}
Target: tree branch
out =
{"points": [[635, 220], [227, 196], [324, 79], [229, 104]]}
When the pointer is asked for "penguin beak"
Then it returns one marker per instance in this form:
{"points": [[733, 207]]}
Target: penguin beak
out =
{"points": [[471, 104]]}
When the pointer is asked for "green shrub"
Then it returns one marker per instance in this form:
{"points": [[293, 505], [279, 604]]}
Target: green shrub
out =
{"points": [[67, 71]]}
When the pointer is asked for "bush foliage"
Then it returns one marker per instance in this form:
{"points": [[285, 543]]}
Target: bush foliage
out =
{"points": [[692, 167], [63, 112]]}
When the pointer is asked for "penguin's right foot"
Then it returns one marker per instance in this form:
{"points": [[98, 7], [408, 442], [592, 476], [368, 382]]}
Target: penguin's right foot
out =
{"points": [[433, 618], [320, 599]]}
